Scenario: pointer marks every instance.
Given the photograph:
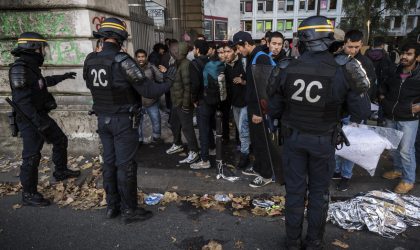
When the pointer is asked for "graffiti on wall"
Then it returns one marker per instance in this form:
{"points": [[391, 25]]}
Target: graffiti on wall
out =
{"points": [[97, 20], [63, 52], [12, 24]]}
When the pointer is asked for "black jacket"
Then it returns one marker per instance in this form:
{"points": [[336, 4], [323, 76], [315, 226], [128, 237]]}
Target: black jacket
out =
{"points": [[370, 71], [196, 68], [236, 91], [352, 103], [29, 87], [251, 96], [400, 95], [382, 64]]}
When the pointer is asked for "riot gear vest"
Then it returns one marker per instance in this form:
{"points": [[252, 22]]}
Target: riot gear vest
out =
{"points": [[23, 74], [309, 92], [110, 91]]}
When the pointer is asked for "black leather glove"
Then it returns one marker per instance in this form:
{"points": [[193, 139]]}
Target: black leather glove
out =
{"points": [[170, 74], [69, 75]]}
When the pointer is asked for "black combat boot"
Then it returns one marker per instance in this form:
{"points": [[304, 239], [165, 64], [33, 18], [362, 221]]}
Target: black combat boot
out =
{"points": [[243, 161], [34, 199], [63, 174], [112, 212], [135, 215]]}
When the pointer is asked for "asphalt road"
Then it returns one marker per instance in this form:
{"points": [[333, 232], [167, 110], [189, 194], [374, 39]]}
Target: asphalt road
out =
{"points": [[178, 226]]}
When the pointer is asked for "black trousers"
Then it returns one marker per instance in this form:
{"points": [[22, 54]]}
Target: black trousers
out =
{"points": [[182, 121], [120, 145], [260, 149], [308, 166], [32, 146]]}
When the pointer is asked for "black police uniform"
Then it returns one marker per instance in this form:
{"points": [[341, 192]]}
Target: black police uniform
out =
{"points": [[116, 83], [30, 94], [311, 94]]}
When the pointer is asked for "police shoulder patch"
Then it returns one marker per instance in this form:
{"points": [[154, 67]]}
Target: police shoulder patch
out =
{"points": [[18, 75], [121, 56], [283, 63], [342, 59]]}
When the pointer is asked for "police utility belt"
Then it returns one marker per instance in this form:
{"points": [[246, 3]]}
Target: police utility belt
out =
{"points": [[135, 114], [338, 137]]}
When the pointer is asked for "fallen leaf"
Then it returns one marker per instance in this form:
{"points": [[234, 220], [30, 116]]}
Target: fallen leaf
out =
{"points": [[173, 239], [241, 213], [259, 211], [87, 165], [161, 209], [198, 174], [340, 244], [212, 245], [174, 187], [239, 244], [43, 178], [16, 206]]}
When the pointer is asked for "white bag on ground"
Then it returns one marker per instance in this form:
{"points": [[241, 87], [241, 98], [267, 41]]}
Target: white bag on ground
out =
{"points": [[367, 144]]}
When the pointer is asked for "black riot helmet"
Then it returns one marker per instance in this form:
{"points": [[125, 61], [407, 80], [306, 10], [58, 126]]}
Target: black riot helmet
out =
{"points": [[28, 42], [112, 27], [315, 33]]}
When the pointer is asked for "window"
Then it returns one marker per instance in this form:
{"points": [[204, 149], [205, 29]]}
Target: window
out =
{"points": [[281, 4], [311, 4], [290, 4], [387, 23], [333, 4], [242, 7], [269, 5], [260, 6], [260, 26], [208, 29], [397, 22], [280, 25], [324, 4], [220, 31], [248, 6], [268, 25], [289, 24], [302, 4], [248, 26], [410, 22], [263, 26]]}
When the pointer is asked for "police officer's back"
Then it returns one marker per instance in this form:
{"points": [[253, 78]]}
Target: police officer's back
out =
{"points": [[310, 96], [32, 103], [117, 83]]}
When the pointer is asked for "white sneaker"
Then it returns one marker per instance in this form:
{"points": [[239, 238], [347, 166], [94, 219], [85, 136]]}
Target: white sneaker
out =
{"points": [[260, 182], [192, 157], [200, 165], [174, 149], [212, 152]]}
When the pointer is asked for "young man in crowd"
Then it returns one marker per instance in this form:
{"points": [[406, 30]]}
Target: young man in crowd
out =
{"points": [[276, 46], [261, 168], [204, 111], [352, 45], [236, 79], [400, 99], [182, 110], [150, 105]]}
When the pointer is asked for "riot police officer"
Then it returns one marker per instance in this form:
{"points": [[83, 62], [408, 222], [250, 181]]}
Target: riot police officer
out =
{"points": [[31, 97], [117, 84], [312, 93]]}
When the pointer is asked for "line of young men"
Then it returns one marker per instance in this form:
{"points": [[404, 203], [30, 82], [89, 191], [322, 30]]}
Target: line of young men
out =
{"points": [[217, 79]]}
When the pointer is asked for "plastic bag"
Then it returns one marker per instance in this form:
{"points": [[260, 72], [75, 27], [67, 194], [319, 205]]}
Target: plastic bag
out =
{"points": [[367, 144]]}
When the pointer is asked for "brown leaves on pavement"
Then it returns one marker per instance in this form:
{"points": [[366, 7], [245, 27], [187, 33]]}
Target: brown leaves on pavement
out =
{"points": [[212, 245], [340, 244]]}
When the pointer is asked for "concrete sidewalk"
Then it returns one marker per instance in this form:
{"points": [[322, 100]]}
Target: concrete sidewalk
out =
{"points": [[159, 172]]}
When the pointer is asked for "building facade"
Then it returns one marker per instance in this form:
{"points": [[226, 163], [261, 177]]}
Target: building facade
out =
{"points": [[260, 16], [221, 19]]}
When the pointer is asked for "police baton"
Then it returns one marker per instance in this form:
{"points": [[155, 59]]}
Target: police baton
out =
{"points": [[25, 118]]}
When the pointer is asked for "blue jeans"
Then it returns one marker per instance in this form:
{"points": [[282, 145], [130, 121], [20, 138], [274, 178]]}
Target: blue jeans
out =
{"points": [[343, 166], [404, 157], [154, 115], [241, 119]]}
